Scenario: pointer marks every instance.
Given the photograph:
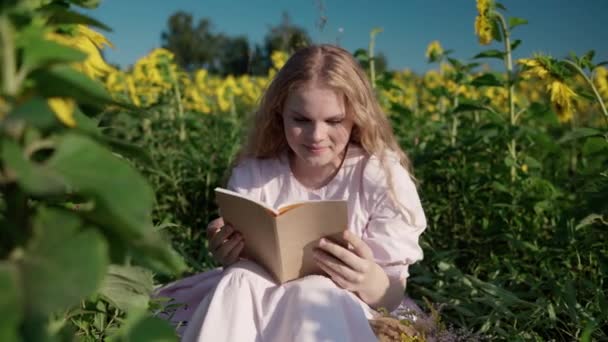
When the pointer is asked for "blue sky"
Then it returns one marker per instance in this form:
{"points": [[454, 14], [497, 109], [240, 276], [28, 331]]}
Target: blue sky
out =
{"points": [[555, 26]]}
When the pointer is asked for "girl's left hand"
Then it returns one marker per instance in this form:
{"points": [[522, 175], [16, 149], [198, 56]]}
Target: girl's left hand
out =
{"points": [[353, 269]]}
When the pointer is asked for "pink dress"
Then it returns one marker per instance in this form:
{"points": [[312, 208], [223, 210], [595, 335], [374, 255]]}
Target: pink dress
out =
{"points": [[242, 303]]}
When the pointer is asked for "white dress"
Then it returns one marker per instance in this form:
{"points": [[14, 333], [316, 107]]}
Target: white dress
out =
{"points": [[243, 303]]}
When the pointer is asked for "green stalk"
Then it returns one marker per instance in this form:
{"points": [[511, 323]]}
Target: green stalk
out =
{"points": [[9, 65], [506, 35], [180, 108], [372, 62]]}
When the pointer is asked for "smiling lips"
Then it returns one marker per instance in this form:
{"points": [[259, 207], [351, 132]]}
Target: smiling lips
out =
{"points": [[315, 149]]}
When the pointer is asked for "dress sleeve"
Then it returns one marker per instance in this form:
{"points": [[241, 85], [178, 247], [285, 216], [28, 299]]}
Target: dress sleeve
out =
{"points": [[395, 221]]}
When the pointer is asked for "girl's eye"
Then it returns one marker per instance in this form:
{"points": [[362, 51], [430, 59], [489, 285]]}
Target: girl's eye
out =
{"points": [[300, 120], [335, 122]]}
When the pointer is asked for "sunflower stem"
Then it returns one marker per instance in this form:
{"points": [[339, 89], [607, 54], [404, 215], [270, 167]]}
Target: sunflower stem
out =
{"points": [[9, 65], [595, 91], [506, 35]]}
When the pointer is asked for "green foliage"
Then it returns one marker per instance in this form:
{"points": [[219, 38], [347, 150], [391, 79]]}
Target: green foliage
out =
{"points": [[76, 216]]}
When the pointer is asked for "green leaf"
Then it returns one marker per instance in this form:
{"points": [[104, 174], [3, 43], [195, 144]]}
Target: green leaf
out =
{"points": [[35, 112], [86, 3], [496, 30], [32, 178], [595, 146], [515, 44], [590, 220], [491, 54], [127, 287], [580, 133], [500, 6], [123, 199], [467, 107], [62, 264], [39, 52], [64, 81], [515, 21], [139, 327], [486, 80], [11, 307], [62, 16]]}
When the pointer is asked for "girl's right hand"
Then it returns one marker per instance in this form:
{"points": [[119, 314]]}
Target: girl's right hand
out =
{"points": [[225, 243]]}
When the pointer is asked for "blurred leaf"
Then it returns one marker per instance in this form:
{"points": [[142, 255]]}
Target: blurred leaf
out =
{"points": [[139, 327], [486, 80], [64, 81], [500, 6], [595, 146], [34, 179], [36, 112], [123, 202], [127, 287], [590, 220], [62, 264], [580, 133], [496, 29], [11, 307], [491, 54], [515, 44], [86, 3], [39, 52], [60, 16], [514, 22], [467, 107]]}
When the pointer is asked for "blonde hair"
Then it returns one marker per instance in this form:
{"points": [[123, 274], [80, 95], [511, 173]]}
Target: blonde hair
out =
{"points": [[336, 68]]}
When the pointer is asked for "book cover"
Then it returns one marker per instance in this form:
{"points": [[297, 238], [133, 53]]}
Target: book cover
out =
{"points": [[282, 239]]}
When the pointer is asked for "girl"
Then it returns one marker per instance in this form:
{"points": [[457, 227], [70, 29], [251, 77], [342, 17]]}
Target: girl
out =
{"points": [[319, 134]]}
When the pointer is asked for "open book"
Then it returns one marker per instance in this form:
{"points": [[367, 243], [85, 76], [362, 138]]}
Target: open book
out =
{"points": [[282, 239]]}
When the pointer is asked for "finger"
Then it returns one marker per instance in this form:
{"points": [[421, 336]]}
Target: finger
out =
{"points": [[234, 254], [346, 256], [338, 279], [214, 226], [358, 245], [220, 237], [224, 250], [338, 267]]}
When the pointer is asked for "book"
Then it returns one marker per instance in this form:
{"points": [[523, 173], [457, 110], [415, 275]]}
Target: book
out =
{"points": [[282, 240]]}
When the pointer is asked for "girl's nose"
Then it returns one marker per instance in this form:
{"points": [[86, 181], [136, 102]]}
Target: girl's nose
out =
{"points": [[317, 132]]}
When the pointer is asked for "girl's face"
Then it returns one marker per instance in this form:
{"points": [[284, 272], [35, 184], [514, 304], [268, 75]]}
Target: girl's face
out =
{"points": [[316, 125]]}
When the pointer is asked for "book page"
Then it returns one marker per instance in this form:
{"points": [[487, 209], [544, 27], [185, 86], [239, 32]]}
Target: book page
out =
{"points": [[256, 224]]}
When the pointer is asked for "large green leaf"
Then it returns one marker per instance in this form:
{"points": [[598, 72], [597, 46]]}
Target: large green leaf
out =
{"points": [[33, 178], [123, 198], [64, 81], [60, 15], [11, 307], [39, 52], [139, 327], [35, 112], [62, 264], [488, 80], [580, 133], [491, 54], [127, 287], [515, 21]]}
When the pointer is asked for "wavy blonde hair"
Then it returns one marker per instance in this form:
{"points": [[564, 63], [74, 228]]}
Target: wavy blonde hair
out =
{"points": [[336, 68]]}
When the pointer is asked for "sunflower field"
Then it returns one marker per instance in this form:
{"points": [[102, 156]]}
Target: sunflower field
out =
{"points": [[107, 178]]}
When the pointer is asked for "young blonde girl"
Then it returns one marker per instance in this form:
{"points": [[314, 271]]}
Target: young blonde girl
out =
{"points": [[319, 133]]}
